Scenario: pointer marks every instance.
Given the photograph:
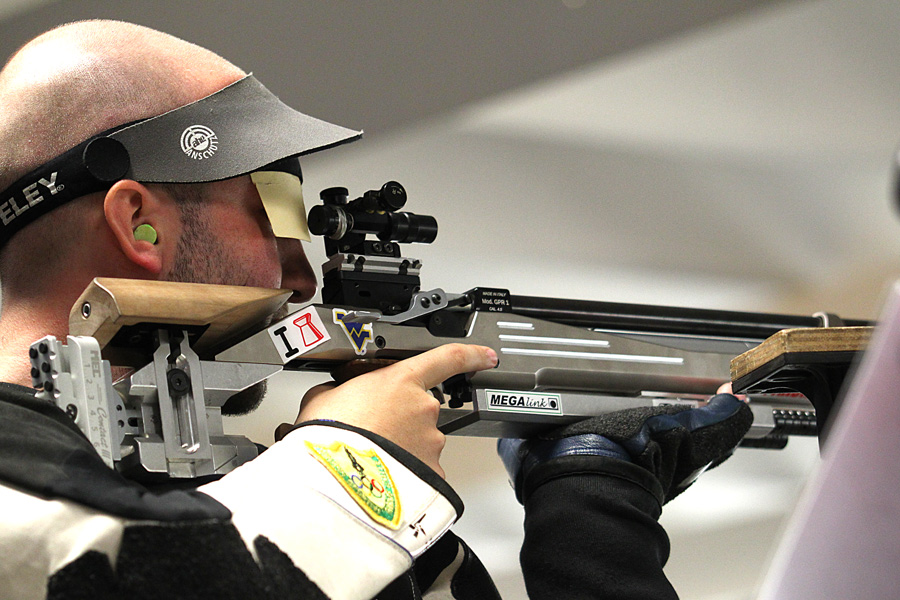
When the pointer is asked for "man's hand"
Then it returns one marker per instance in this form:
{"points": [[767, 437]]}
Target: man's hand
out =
{"points": [[394, 402], [674, 443]]}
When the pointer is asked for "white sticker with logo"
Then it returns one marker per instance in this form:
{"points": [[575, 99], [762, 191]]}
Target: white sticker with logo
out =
{"points": [[523, 402], [359, 334], [199, 142], [298, 334]]}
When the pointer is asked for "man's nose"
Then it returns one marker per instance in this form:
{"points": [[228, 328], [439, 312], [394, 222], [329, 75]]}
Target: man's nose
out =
{"points": [[296, 272]]}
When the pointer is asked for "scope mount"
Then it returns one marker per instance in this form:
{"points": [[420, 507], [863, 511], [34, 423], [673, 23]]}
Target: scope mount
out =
{"points": [[367, 273]]}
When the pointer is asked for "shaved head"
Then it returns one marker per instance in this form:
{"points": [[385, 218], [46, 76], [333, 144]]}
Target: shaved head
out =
{"points": [[69, 84], [83, 78]]}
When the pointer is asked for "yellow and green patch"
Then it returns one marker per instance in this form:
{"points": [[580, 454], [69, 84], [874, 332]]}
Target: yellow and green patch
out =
{"points": [[365, 477]]}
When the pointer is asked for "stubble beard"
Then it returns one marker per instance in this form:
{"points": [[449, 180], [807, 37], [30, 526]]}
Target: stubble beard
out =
{"points": [[202, 258]]}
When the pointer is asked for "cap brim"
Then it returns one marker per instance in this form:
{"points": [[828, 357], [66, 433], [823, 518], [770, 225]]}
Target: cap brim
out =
{"points": [[234, 131]]}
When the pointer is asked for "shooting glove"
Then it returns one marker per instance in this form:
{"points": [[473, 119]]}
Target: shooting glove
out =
{"points": [[674, 443]]}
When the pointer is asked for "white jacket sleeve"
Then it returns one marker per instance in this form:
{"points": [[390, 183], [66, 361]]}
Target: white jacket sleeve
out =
{"points": [[350, 509]]}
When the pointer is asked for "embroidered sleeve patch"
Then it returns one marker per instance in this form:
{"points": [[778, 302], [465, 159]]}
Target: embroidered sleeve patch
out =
{"points": [[365, 477]]}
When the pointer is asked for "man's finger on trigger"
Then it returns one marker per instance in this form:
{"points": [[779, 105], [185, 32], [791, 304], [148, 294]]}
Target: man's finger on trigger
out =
{"points": [[442, 363]]}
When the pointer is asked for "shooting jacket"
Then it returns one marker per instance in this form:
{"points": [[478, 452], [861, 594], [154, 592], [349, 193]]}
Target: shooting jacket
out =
{"points": [[288, 524], [330, 511]]}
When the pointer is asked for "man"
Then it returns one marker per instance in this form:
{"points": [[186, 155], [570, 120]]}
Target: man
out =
{"points": [[93, 188], [84, 79]]}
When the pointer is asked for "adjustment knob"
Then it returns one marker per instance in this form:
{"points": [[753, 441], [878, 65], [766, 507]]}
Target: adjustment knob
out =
{"points": [[334, 195], [393, 196]]}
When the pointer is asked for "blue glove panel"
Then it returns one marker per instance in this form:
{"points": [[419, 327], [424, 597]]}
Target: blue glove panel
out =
{"points": [[720, 409], [521, 456], [674, 443]]}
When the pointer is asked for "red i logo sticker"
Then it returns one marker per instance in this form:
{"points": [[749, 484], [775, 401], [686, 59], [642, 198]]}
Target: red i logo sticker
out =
{"points": [[298, 333]]}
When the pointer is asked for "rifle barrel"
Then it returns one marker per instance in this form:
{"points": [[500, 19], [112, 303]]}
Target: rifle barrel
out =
{"points": [[662, 319]]}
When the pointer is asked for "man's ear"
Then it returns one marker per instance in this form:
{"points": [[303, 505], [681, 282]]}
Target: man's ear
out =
{"points": [[129, 205]]}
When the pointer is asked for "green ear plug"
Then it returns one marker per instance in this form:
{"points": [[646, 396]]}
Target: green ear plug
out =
{"points": [[145, 233]]}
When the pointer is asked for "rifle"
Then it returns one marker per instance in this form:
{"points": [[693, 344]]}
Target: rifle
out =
{"points": [[194, 345]]}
